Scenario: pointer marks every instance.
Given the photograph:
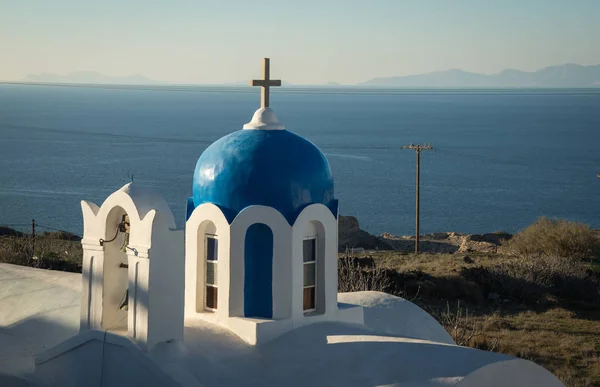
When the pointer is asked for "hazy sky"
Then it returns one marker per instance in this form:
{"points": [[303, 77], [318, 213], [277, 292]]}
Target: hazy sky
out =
{"points": [[308, 41]]}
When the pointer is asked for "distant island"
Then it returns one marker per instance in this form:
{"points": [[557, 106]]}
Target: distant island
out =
{"points": [[561, 76], [567, 75], [245, 83], [90, 77]]}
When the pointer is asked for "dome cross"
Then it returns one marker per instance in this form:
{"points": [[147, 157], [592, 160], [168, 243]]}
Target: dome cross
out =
{"points": [[265, 83]]}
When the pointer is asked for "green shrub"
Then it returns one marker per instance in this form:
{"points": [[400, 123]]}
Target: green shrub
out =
{"points": [[555, 238]]}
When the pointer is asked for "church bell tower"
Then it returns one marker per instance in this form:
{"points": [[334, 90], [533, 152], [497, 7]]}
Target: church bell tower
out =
{"points": [[132, 268]]}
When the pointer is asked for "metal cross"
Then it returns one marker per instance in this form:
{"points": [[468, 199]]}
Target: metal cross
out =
{"points": [[265, 83]]}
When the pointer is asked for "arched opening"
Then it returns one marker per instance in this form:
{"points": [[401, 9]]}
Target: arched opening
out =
{"points": [[116, 279], [258, 271], [207, 269], [313, 262]]}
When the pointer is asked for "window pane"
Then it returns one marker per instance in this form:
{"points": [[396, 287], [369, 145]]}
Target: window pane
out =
{"points": [[211, 297], [211, 249], [310, 250], [309, 274], [309, 299], [211, 273]]}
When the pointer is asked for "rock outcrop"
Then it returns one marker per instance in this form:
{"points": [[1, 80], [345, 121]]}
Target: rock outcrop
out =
{"points": [[351, 236], [449, 242]]}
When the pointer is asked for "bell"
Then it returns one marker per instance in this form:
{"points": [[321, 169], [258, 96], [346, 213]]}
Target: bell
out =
{"points": [[124, 225]]}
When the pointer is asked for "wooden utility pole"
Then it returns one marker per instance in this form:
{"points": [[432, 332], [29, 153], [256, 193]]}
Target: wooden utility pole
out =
{"points": [[32, 238], [418, 149]]}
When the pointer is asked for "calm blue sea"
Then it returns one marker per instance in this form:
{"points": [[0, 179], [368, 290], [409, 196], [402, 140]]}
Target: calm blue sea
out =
{"points": [[503, 157]]}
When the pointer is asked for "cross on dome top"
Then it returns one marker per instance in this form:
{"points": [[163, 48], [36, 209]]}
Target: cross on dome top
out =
{"points": [[265, 118], [265, 83]]}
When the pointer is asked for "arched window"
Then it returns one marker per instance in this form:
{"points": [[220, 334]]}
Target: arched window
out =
{"points": [[309, 247], [211, 252]]}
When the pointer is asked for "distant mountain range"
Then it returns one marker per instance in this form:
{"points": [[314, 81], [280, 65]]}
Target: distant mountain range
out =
{"points": [[90, 77], [567, 75], [245, 83]]}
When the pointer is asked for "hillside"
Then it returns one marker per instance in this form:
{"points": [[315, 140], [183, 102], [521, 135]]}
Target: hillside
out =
{"points": [[567, 75]]}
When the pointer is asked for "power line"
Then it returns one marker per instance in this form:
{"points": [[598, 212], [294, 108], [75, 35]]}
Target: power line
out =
{"points": [[34, 225], [52, 228]]}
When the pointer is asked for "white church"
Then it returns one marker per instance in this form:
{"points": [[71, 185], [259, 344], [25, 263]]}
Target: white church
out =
{"points": [[245, 295]]}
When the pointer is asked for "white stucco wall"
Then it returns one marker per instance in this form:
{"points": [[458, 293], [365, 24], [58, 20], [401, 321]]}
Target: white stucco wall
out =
{"points": [[166, 286], [318, 220], [288, 270], [206, 218]]}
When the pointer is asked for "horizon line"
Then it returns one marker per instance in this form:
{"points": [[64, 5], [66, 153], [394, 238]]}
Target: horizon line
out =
{"points": [[363, 86]]}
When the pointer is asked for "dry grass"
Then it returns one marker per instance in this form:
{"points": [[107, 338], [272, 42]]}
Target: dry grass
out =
{"points": [[56, 251], [435, 264], [566, 343], [537, 280], [352, 277], [464, 328]]}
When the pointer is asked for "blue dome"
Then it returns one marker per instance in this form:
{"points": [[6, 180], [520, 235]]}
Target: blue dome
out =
{"points": [[274, 168]]}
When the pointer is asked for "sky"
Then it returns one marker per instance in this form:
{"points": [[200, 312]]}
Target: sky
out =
{"points": [[308, 41]]}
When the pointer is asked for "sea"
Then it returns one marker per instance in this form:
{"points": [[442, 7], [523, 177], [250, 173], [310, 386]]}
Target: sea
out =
{"points": [[501, 158]]}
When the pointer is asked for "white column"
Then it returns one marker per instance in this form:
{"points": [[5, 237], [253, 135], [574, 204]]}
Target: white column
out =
{"points": [[92, 286], [139, 298]]}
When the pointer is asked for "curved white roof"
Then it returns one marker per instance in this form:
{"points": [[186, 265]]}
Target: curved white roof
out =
{"points": [[40, 309], [396, 316]]}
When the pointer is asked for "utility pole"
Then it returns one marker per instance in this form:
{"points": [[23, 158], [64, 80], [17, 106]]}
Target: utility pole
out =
{"points": [[32, 238], [418, 149]]}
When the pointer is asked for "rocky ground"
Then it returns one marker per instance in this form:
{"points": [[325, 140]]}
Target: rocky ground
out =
{"points": [[352, 237]]}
